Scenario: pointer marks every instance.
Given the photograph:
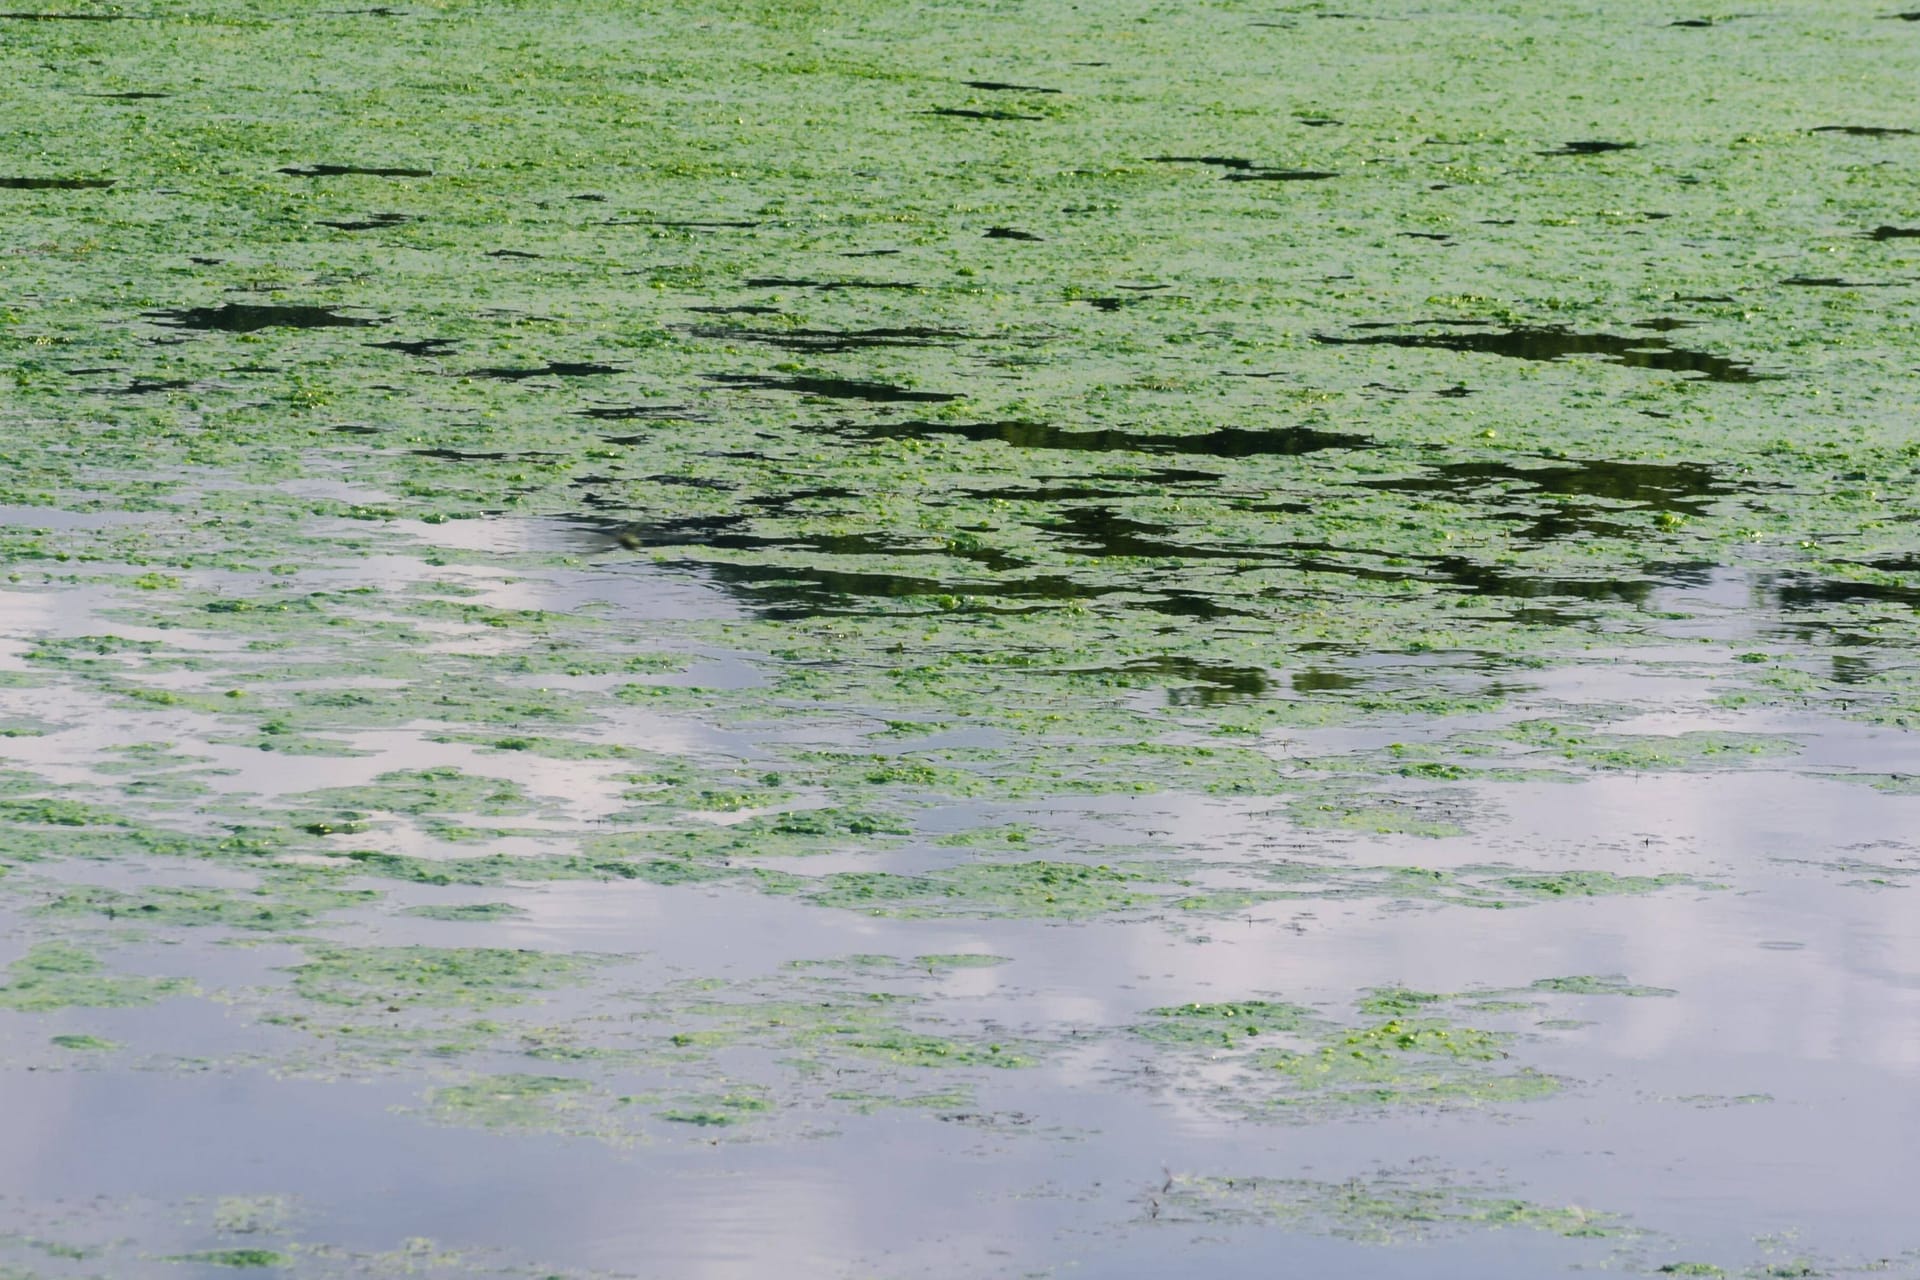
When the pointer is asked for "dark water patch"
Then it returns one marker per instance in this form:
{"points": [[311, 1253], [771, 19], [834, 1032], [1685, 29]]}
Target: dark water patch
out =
{"points": [[56, 184], [591, 197], [1320, 680], [1702, 297], [148, 386], [1221, 162], [1885, 232], [781, 590], [238, 317], [1282, 506], [632, 412], [206, 262], [1511, 584], [831, 340], [1680, 488], [1009, 233], [1691, 22], [1805, 591], [1043, 490], [833, 388], [355, 429], [372, 222], [1395, 324], [1001, 86], [1107, 304], [552, 369], [134, 95], [1104, 532], [743, 309], [788, 503], [1222, 442], [871, 253], [1279, 175], [785, 592], [513, 253], [1835, 282], [978, 113], [1317, 122], [685, 224], [1589, 147], [1664, 324], [418, 346], [824, 286], [1866, 130], [352, 170], [480, 455], [1554, 342], [690, 482], [1208, 684]]}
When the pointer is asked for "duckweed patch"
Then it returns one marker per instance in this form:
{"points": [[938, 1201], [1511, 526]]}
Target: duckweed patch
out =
{"points": [[57, 975], [1055, 890], [84, 1044], [1213, 411], [1409, 1049], [434, 977], [274, 907], [1381, 1209]]}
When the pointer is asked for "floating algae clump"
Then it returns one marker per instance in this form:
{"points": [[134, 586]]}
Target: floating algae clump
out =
{"points": [[1382, 1209], [55, 975], [433, 977]]}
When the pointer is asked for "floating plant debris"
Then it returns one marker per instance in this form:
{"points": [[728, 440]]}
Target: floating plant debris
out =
{"points": [[1552, 342]]}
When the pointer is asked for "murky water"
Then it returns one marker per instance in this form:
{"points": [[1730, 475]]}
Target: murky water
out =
{"points": [[1309, 671]]}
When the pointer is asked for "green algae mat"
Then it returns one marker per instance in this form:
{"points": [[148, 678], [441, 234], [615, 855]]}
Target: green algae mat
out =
{"points": [[989, 639]]}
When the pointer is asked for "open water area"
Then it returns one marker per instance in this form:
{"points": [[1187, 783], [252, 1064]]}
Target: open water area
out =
{"points": [[980, 639]]}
